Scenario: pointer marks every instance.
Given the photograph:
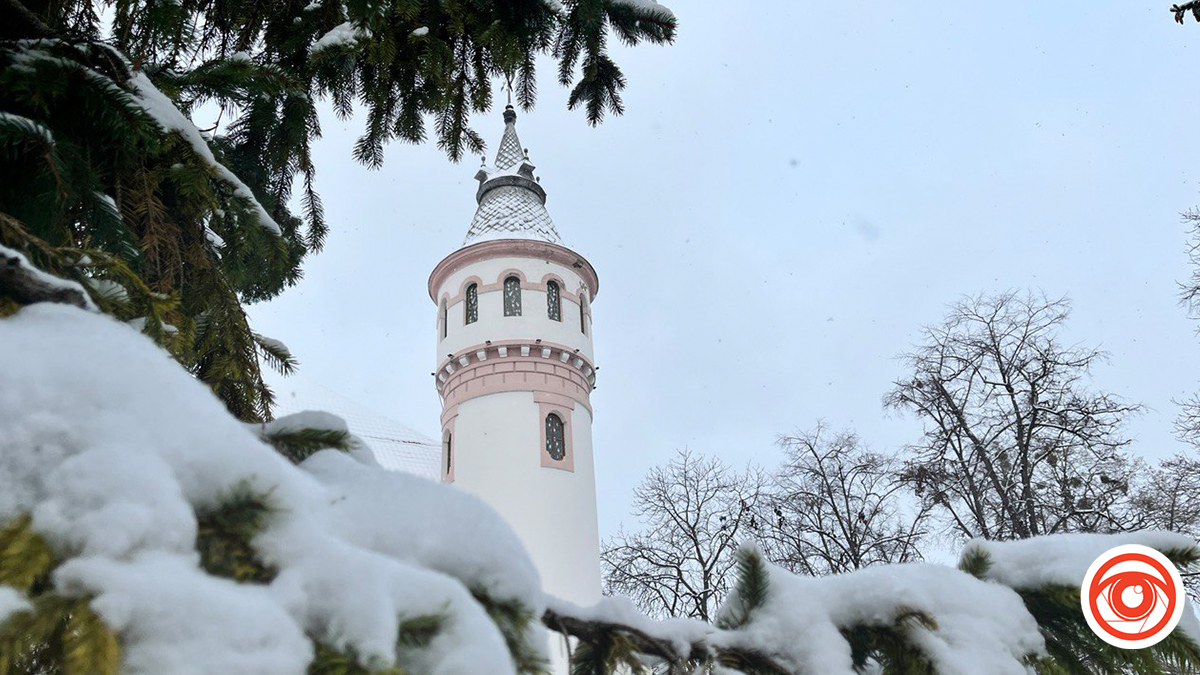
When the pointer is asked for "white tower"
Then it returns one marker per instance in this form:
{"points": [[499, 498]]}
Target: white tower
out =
{"points": [[515, 373]]}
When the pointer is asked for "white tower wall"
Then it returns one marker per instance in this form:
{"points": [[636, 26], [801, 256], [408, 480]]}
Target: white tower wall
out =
{"points": [[516, 389], [499, 378]]}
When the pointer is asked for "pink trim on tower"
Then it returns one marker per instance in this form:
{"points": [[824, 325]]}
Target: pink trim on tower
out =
{"points": [[531, 373], [519, 248], [462, 288]]}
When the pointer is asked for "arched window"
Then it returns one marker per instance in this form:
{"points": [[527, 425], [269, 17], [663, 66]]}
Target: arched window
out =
{"points": [[445, 323], [471, 306], [553, 301], [512, 296], [556, 441], [583, 313], [449, 452]]}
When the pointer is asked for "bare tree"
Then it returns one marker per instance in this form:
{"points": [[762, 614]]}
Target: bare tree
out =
{"points": [[695, 512], [1169, 497], [836, 507], [1187, 425], [1015, 443]]}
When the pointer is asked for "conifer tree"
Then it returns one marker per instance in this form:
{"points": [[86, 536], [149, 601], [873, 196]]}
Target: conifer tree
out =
{"points": [[106, 180]]}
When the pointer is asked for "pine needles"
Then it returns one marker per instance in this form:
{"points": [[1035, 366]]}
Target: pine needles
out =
{"points": [[753, 587]]}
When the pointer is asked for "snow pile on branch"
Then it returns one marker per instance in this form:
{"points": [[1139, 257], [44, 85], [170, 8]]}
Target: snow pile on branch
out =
{"points": [[157, 105], [116, 459], [679, 636], [113, 450], [11, 602], [24, 281], [648, 7], [964, 626], [1061, 559], [341, 36], [1064, 559]]}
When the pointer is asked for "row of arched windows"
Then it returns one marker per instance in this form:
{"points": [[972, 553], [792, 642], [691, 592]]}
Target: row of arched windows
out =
{"points": [[512, 303]]}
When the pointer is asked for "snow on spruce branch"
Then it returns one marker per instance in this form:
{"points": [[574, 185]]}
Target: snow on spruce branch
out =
{"points": [[22, 280], [342, 35], [649, 8], [157, 105], [113, 449], [118, 459]]}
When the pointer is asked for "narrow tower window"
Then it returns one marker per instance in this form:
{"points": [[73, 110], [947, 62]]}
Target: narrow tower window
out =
{"points": [[553, 301], [445, 323], [583, 313], [556, 442], [471, 306], [449, 452], [512, 296]]}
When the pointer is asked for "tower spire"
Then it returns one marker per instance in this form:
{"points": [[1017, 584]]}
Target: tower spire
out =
{"points": [[512, 204]]}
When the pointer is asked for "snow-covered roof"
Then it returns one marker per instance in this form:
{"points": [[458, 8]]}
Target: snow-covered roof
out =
{"points": [[396, 446], [511, 203]]}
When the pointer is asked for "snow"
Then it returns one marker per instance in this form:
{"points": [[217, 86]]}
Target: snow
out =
{"points": [[648, 7], [36, 126], [243, 57], [395, 446], [343, 34], [9, 255], [315, 4], [112, 448], [272, 344], [1062, 559], [11, 602], [108, 289], [680, 633], [420, 32], [981, 628], [157, 105], [226, 628], [445, 523], [108, 201], [213, 238]]}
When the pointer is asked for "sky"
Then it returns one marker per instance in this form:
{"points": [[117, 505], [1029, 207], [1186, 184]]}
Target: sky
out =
{"points": [[796, 188]]}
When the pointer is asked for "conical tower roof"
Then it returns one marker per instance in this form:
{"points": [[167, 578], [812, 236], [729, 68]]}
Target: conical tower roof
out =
{"points": [[512, 205]]}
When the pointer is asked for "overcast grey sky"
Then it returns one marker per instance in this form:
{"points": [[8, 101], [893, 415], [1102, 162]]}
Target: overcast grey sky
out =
{"points": [[795, 189]]}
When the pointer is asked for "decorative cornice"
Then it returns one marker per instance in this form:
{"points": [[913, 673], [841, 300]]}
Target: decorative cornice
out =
{"points": [[510, 179], [550, 351], [515, 366], [517, 248]]}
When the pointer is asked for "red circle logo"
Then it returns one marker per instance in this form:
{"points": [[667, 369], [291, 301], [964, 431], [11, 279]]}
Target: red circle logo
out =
{"points": [[1132, 596]]}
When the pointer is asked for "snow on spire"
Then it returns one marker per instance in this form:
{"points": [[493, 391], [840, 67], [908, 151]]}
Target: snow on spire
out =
{"points": [[512, 205]]}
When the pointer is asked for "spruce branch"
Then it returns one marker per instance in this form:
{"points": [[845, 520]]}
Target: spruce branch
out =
{"points": [[1181, 10], [21, 282], [25, 558], [753, 585], [225, 533]]}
